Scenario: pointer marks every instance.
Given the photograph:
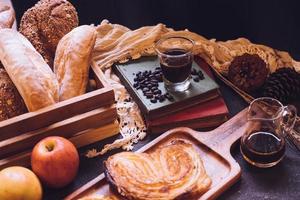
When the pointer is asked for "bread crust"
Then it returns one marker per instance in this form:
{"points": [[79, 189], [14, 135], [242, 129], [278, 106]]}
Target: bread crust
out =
{"points": [[29, 72], [7, 16], [11, 103], [72, 61], [46, 23]]}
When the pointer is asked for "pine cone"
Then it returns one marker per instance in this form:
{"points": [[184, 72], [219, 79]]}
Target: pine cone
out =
{"points": [[248, 72], [283, 85]]}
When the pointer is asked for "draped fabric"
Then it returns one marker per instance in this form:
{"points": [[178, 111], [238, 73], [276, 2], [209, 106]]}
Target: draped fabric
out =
{"points": [[118, 44]]}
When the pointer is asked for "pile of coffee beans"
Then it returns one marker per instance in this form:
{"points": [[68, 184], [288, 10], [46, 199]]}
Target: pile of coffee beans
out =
{"points": [[148, 81], [197, 75]]}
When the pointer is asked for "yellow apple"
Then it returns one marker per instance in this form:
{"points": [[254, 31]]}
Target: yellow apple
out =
{"points": [[19, 183]]}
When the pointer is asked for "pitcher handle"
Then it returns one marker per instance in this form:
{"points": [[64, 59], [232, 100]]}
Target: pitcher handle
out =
{"points": [[289, 118]]}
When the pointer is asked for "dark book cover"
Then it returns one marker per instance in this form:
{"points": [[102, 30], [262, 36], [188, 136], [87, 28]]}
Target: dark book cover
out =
{"points": [[206, 115], [201, 91], [202, 116]]}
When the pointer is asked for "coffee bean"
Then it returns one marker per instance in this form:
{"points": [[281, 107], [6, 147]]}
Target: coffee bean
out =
{"points": [[162, 98], [145, 89], [157, 96], [169, 97], [135, 85], [153, 81], [148, 95], [200, 75], [196, 79], [153, 100], [157, 92], [199, 72], [152, 77], [194, 71], [153, 88]]}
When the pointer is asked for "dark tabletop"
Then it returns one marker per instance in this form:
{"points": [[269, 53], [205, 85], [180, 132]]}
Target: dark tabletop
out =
{"points": [[279, 182]]}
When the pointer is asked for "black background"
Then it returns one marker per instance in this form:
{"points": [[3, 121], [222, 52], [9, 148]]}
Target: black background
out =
{"points": [[272, 22]]}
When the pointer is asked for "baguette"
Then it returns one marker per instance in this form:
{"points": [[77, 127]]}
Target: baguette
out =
{"points": [[7, 16], [29, 72], [72, 61]]}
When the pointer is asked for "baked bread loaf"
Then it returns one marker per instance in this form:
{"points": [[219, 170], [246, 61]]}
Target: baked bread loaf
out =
{"points": [[11, 103], [172, 171], [29, 72], [72, 61], [46, 23], [7, 16]]}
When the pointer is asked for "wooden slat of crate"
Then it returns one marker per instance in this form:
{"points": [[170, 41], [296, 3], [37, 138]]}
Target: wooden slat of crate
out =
{"points": [[79, 140], [54, 113], [65, 128]]}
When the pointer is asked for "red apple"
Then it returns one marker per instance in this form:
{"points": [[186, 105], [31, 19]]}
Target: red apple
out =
{"points": [[19, 183], [55, 161]]}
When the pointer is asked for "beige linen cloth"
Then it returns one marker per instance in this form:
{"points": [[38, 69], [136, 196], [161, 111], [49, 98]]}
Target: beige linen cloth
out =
{"points": [[116, 43]]}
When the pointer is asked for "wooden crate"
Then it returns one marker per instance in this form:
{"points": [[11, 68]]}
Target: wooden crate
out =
{"points": [[79, 140], [67, 119]]}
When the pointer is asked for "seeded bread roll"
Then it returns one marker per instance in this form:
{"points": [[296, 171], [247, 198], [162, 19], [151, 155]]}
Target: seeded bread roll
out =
{"points": [[29, 72], [46, 23], [11, 103]]}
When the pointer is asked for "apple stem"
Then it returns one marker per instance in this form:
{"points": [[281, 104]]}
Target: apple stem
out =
{"points": [[50, 147]]}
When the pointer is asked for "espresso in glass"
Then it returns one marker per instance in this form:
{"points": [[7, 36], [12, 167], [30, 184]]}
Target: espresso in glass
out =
{"points": [[176, 58]]}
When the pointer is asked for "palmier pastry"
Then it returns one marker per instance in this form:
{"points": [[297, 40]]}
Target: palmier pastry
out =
{"points": [[46, 23], [171, 171], [248, 72]]}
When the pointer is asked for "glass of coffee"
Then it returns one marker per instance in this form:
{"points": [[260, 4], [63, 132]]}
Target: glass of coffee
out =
{"points": [[176, 58], [268, 123]]}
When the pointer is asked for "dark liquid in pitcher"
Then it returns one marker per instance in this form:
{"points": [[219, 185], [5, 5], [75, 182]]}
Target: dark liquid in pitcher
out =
{"points": [[263, 148], [177, 70]]}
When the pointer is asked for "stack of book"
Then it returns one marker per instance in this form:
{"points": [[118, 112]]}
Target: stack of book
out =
{"points": [[201, 107]]}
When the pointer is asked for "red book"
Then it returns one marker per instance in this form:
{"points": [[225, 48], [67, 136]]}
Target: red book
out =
{"points": [[202, 116]]}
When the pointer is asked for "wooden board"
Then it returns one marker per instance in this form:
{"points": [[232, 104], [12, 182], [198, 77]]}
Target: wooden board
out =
{"points": [[213, 147], [79, 140]]}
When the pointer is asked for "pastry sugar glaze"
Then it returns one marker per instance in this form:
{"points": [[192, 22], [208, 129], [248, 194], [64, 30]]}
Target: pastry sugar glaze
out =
{"points": [[172, 171]]}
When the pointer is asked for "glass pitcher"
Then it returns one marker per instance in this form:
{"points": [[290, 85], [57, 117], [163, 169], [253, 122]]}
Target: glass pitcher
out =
{"points": [[268, 122]]}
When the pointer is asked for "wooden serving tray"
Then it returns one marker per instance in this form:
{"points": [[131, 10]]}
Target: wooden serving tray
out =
{"points": [[213, 147]]}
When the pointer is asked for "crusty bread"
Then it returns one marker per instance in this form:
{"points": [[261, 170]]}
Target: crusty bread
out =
{"points": [[11, 103], [7, 16], [46, 23], [29, 72], [72, 61]]}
